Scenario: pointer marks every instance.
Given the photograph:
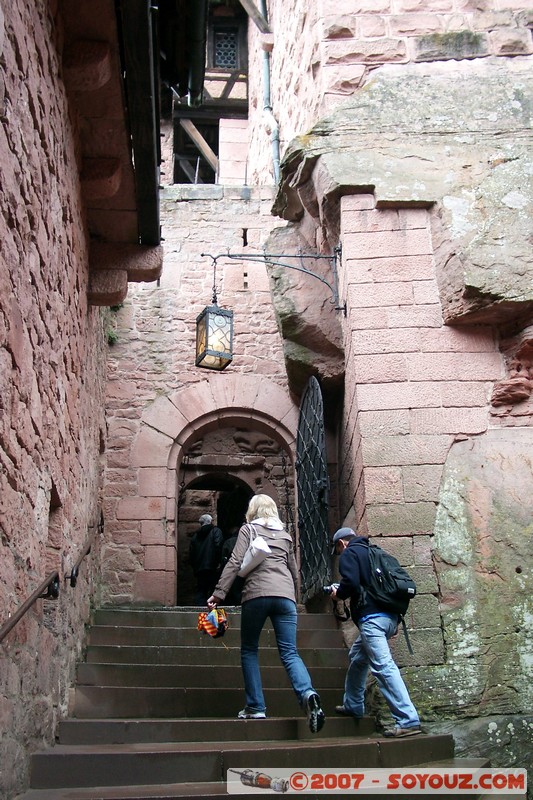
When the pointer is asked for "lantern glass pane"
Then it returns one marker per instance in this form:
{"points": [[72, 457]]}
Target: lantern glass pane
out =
{"points": [[214, 338]]}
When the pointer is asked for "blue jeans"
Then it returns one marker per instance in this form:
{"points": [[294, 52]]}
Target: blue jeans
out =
{"points": [[371, 651], [282, 613]]}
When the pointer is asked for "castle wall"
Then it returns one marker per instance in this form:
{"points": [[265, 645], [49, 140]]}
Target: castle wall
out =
{"points": [[52, 377], [155, 392], [323, 52]]}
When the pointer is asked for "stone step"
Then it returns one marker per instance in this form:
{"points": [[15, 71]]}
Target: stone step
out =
{"points": [[217, 790], [170, 675], [215, 655], [96, 702], [191, 637], [193, 762], [187, 617], [130, 731]]}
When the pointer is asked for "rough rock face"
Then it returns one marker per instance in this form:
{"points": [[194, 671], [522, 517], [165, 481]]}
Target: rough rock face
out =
{"points": [[305, 313], [456, 135], [482, 556]]}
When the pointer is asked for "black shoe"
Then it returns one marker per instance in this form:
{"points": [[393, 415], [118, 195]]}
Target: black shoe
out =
{"points": [[315, 715]]}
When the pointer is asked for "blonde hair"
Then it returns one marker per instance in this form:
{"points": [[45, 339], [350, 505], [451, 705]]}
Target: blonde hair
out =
{"points": [[261, 505]]}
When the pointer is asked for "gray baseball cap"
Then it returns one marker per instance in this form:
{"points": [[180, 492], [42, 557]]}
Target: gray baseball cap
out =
{"points": [[342, 533]]}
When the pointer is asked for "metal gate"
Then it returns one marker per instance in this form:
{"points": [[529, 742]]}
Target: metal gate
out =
{"points": [[313, 492]]}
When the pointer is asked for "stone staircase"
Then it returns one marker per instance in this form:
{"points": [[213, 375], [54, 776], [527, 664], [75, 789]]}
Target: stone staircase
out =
{"points": [[154, 713]]}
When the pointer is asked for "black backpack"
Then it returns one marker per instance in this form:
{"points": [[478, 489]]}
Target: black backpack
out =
{"points": [[391, 587]]}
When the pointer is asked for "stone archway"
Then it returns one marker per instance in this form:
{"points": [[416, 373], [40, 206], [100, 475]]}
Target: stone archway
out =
{"points": [[170, 426]]}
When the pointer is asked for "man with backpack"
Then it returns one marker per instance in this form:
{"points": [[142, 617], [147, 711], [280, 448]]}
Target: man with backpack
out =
{"points": [[371, 648]]}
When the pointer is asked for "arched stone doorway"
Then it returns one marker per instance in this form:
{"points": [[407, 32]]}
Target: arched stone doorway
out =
{"points": [[226, 434], [218, 474]]}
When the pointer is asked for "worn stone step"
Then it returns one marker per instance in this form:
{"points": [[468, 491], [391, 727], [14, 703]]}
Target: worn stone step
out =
{"points": [[180, 617], [94, 765], [129, 731], [164, 675], [215, 655], [217, 790], [191, 637], [95, 702]]}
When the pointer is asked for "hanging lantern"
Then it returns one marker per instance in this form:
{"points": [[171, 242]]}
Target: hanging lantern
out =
{"points": [[214, 332], [214, 338]]}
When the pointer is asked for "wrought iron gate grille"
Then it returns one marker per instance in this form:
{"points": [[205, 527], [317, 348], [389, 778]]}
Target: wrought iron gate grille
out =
{"points": [[313, 492]]}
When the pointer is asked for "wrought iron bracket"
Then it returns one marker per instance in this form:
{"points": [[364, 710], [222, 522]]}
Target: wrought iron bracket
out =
{"points": [[274, 259], [52, 590]]}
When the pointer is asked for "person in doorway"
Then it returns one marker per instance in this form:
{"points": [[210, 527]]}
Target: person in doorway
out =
{"points": [[371, 648], [269, 592], [205, 553]]}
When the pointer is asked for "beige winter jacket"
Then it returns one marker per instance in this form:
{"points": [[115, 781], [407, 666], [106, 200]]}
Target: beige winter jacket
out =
{"points": [[276, 576]]}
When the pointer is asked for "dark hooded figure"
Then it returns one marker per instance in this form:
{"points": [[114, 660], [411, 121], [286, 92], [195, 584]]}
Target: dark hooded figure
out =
{"points": [[205, 552]]}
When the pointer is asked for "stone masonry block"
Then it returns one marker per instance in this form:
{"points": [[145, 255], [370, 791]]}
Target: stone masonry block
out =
{"points": [[159, 557], [402, 268], [150, 449], [453, 366], [378, 295], [385, 244], [388, 396], [465, 394], [454, 45], [141, 508], [425, 579], [425, 292], [165, 417], [371, 26], [449, 420], [402, 519], [511, 42], [153, 481], [381, 342], [155, 587], [383, 485], [383, 368], [152, 532], [336, 7], [381, 423], [366, 51], [414, 23], [381, 451], [354, 202], [427, 644], [421, 482], [429, 316], [464, 340]]}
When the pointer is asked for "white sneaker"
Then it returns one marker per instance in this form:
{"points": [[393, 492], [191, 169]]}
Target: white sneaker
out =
{"points": [[249, 713]]}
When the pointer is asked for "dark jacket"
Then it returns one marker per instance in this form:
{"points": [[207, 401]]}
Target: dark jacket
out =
{"points": [[205, 550], [355, 573]]}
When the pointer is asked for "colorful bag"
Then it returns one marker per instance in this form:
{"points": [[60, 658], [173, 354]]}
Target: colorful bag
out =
{"points": [[215, 623]]}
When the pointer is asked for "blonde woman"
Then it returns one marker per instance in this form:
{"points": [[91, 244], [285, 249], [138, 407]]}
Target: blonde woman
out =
{"points": [[269, 592]]}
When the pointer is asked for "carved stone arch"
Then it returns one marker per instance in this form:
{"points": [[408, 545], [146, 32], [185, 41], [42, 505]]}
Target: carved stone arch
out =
{"points": [[172, 423]]}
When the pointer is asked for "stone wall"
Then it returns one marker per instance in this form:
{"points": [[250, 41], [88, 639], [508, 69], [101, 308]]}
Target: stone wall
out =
{"points": [[155, 392], [52, 371], [324, 52]]}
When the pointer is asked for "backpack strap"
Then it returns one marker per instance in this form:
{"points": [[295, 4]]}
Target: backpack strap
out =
{"points": [[406, 634], [401, 618]]}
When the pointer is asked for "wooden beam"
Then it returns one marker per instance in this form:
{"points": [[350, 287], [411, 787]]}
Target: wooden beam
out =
{"points": [[255, 15], [194, 134]]}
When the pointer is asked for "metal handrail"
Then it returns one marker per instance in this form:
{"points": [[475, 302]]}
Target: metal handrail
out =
{"points": [[50, 588], [50, 585]]}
